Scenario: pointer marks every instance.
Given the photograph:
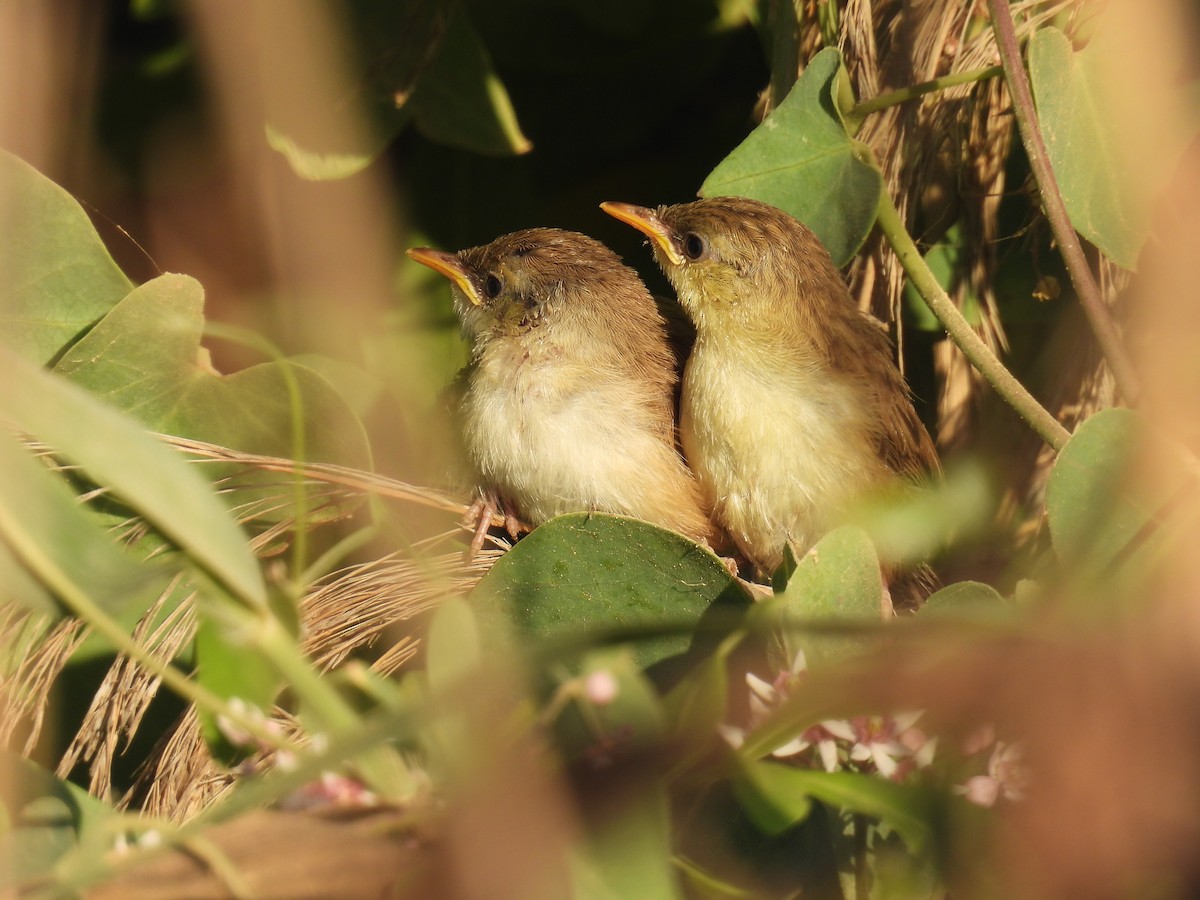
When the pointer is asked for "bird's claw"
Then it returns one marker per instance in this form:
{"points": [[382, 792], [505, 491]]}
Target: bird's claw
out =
{"points": [[487, 506]]}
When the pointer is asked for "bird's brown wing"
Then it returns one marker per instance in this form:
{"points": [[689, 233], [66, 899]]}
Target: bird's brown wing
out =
{"points": [[901, 440]]}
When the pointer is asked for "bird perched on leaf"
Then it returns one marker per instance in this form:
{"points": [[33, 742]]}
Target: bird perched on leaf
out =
{"points": [[567, 402], [792, 405]]}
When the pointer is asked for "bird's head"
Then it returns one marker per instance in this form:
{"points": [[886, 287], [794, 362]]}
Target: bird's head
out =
{"points": [[523, 280], [732, 256]]}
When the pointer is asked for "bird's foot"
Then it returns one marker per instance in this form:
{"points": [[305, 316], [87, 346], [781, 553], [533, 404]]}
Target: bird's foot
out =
{"points": [[488, 506]]}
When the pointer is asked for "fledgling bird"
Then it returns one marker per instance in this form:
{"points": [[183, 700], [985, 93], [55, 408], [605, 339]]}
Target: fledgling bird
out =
{"points": [[566, 404], [792, 405]]}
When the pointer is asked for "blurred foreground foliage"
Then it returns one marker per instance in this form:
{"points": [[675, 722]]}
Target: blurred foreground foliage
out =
{"points": [[602, 710]]}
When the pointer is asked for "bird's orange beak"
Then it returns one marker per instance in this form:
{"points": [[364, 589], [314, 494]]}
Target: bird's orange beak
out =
{"points": [[646, 221], [447, 264]]}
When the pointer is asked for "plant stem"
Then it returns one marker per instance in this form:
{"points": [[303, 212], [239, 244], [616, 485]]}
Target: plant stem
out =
{"points": [[895, 98], [1056, 211], [960, 331], [785, 49], [381, 766]]}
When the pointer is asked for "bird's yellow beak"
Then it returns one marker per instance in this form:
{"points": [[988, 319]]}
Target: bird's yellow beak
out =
{"points": [[447, 264], [646, 221]]}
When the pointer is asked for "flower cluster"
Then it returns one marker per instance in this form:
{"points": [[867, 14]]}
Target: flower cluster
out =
{"points": [[892, 746]]}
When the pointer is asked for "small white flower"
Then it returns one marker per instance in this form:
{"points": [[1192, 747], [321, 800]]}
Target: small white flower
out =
{"points": [[600, 687]]}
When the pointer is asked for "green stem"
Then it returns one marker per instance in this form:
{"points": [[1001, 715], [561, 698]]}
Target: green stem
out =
{"points": [[1056, 209], [785, 49], [381, 766], [960, 331], [895, 98]]}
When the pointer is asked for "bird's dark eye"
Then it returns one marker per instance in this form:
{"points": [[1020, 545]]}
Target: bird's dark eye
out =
{"points": [[491, 286], [693, 245]]}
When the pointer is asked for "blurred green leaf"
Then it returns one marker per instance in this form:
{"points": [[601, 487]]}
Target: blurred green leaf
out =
{"points": [[145, 358], [615, 712], [838, 580], [418, 62], [778, 796], [801, 160], [56, 277], [696, 705], [1109, 158], [44, 526], [1095, 508], [909, 525], [587, 572], [627, 851], [453, 647], [117, 453], [47, 817], [967, 599], [230, 665]]}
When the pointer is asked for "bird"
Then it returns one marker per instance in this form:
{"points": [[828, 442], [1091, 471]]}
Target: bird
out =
{"points": [[567, 401], [792, 406]]}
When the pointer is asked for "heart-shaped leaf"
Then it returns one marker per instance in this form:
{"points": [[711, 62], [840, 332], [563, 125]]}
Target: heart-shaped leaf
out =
{"points": [[801, 160], [145, 357], [56, 277]]}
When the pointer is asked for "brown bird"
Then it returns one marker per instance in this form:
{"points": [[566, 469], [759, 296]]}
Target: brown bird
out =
{"points": [[792, 405], [567, 403]]}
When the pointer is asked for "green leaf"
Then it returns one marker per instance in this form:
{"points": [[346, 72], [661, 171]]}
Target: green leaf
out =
{"points": [[461, 101], [417, 62], [967, 600], [453, 647], [587, 572], [44, 526], [627, 852], [1109, 155], [230, 666], [1094, 506], [910, 525], [778, 796], [624, 725], [838, 580], [801, 160], [56, 277], [117, 453], [145, 357], [47, 817]]}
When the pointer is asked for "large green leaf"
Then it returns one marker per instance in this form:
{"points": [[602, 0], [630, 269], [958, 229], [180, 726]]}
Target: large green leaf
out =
{"points": [[116, 453], [584, 572], [145, 358], [56, 278], [46, 534], [801, 160], [838, 580], [1109, 157]]}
